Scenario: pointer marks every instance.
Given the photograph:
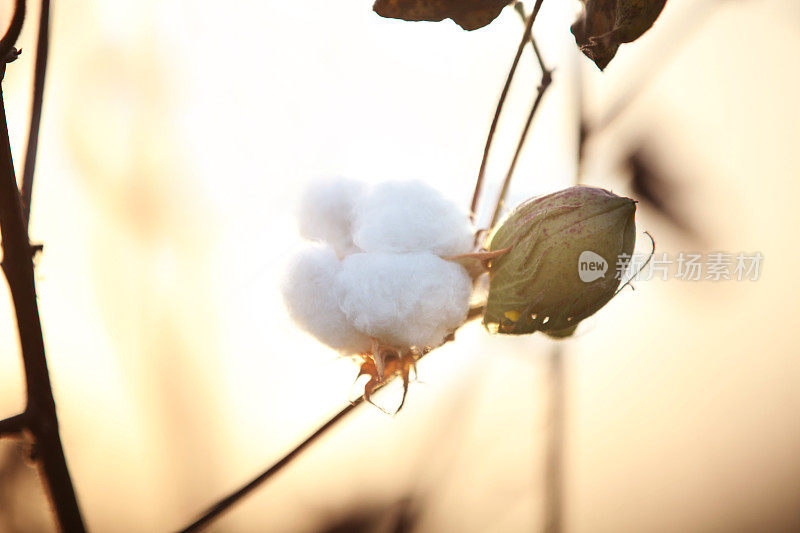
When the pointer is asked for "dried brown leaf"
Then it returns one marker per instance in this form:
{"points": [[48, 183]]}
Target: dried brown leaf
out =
{"points": [[605, 24], [469, 14]]}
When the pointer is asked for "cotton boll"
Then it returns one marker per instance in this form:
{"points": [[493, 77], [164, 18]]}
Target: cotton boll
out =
{"points": [[410, 216], [325, 213], [412, 299], [310, 296]]}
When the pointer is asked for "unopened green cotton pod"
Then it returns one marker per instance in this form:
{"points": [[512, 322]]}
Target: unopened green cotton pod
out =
{"points": [[563, 261]]}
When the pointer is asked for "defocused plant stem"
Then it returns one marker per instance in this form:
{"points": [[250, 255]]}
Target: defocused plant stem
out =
{"points": [[554, 445], [227, 502], [42, 46], [40, 412]]}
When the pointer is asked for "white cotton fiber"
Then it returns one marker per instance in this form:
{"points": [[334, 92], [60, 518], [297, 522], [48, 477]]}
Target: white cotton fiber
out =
{"points": [[410, 216], [325, 213], [309, 291], [380, 273], [411, 299]]}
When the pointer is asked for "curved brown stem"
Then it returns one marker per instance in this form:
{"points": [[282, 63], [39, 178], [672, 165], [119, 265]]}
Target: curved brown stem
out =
{"points": [[482, 172], [229, 501], [545, 83], [519, 7], [41, 409], [13, 31], [40, 413], [13, 425], [42, 46]]}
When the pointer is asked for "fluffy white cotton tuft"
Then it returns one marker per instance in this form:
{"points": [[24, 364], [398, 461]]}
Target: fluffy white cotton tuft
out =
{"points": [[411, 299], [410, 216], [309, 291], [379, 273], [325, 213]]}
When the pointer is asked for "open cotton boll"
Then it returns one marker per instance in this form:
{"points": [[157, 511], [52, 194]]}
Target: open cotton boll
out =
{"points": [[325, 212], [412, 299], [410, 216], [309, 291]]}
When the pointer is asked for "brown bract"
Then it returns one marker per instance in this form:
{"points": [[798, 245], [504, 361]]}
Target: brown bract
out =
{"points": [[469, 14], [605, 24]]}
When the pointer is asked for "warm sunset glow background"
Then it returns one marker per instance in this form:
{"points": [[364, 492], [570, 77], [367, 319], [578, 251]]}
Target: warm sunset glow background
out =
{"points": [[176, 135]]}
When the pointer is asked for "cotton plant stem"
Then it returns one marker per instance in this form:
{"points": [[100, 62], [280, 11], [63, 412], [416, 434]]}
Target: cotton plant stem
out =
{"points": [[482, 172], [554, 446], [519, 7], [230, 500], [546, 80], [13, 425], [42, 47], [40, 412], [507, 181], [13, 31]]}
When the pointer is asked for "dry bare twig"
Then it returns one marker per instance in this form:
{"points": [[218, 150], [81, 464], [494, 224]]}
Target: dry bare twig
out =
{"points": [[13, 425], [547, 78], [42, 48], [227, 502], [482, 172], [39, 417]]}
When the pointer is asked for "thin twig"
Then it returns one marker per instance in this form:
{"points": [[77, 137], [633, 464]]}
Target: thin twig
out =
{"points": [[554, 460], [543, 85], [519, 7], [42, 46], [18, 269], [228, 501], [12, 34], [481, 173], [13, 425]]}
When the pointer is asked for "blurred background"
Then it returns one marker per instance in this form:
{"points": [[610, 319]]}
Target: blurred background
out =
{"points": [[176, 135]]}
